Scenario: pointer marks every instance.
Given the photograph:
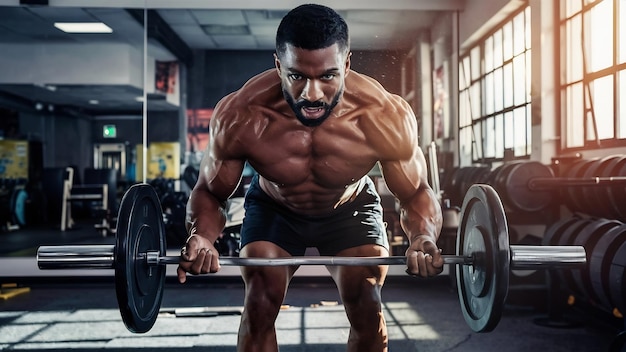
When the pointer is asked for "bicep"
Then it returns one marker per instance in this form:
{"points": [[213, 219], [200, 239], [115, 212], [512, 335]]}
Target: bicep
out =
{"points": [[220, 177], [406, 177], [221, 167], [403, 165]]}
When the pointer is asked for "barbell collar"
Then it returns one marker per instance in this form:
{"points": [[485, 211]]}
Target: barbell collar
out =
{"points": [[102, 257]]}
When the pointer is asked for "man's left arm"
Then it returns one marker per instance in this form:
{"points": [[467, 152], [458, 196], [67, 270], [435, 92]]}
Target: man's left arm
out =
{"points": [[420, 211]]}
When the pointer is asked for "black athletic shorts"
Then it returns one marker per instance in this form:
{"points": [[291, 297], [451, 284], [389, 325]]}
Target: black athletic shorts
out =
{"points": [[353, 224]]}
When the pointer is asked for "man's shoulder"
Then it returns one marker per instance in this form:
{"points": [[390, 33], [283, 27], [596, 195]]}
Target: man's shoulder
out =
{"points": [[371, 92], [261, 89]]}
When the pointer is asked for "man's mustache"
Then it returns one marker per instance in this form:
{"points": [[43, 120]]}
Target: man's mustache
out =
{"points": [[311, 104]]}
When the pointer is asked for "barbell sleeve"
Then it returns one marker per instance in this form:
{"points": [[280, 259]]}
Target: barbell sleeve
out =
{"points": [[531, 257], [76, 257], [102, 257]]}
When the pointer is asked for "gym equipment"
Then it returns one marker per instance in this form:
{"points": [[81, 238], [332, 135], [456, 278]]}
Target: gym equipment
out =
{"points": [[482, 250], [594, 186]]}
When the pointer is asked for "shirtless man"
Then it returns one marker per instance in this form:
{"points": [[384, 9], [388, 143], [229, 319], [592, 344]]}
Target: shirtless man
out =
{"points": [[313, 129]]}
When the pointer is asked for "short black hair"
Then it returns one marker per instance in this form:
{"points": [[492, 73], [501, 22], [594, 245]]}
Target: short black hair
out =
{"points": [[312, 27]]}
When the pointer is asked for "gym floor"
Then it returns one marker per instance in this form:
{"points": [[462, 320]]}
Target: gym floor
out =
{"points": [[78, 312]]}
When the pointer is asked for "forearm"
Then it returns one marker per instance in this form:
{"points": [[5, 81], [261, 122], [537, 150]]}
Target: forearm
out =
{"points": [[420, 216], [205, 215]]}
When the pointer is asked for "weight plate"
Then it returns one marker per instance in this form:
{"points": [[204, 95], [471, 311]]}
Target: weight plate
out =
{"points": [[565, 239], [604, 193], [552, 238], [588, 237], [139, 287], [518, 193], [554, 232], [454, 192], [500, 181], [597, 201], [600, 262], [617, 193], [483, 235], [570, 192], [617, 278], [581, 203]]}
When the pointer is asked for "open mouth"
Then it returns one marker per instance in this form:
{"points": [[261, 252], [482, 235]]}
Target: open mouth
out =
{"points": [[313, 112]]}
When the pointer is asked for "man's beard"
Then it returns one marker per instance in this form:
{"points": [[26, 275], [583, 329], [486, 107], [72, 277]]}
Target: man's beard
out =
{"points": [[298, 106]]}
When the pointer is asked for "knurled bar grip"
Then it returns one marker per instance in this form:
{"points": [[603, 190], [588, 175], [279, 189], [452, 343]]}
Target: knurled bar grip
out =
{"points": [[102, 257]]}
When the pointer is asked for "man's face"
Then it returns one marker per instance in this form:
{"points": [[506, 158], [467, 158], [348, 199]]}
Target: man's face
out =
{"points": [[313, 81]]}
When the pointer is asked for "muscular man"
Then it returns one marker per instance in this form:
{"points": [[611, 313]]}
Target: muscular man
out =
{"points": [[312, 129]]}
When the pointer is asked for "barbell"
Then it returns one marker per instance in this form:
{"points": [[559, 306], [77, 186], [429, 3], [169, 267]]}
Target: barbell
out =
{"points": [[598, 185], [483, 257]]}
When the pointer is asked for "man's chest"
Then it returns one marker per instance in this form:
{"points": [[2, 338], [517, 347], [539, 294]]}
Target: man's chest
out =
{"points": [[328, 156]]}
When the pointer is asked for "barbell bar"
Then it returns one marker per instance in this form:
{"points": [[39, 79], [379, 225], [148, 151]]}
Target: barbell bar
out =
{"points": [[541, 183], [483, 255], [103, 257]]}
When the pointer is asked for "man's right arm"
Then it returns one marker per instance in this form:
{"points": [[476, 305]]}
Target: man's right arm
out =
{"points": [[218, 178]]}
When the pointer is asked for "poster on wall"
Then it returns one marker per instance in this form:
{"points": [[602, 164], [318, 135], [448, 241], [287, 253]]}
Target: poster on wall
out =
{"points": [[166, 80], [441, 113], [198, 129]]}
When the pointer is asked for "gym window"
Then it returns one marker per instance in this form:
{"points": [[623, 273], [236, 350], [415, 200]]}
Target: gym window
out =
{"points": [[494, 93], [592, 73]]}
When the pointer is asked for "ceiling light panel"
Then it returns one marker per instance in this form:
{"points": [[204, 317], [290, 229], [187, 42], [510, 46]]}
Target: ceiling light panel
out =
{"points": [[83, 27]]}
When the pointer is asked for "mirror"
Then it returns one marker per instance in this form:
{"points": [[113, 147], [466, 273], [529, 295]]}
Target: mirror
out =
{"points": [[138, 102], [70, 105]]}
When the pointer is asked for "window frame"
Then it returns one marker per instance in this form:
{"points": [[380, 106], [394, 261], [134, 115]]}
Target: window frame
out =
{"points": [[576, 89], [487, 84]]}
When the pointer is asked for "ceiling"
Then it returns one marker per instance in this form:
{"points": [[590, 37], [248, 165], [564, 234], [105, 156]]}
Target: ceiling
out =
{"points": [[176, 29]]}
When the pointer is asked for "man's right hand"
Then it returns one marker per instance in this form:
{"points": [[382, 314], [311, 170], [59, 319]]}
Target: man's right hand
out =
{"points": [[199, 256]]}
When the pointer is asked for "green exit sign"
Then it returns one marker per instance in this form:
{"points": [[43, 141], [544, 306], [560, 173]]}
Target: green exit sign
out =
{"points": [[109, 131]]}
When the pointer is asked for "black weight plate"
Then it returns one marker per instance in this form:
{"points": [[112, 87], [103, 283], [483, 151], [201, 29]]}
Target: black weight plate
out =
{"points": [[454, 192], [554, 232], [588, 237], [596, 197], [553, 236], [448, 185], [580, 201], [617, 279], [482, 175], [500, 181], [483, 235], [581, 193], [566, 238], [618, 193], [518, 193], [139, 287], [491, 178], [604, 193], [569, 192], [468, 179], [600, 262]]}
